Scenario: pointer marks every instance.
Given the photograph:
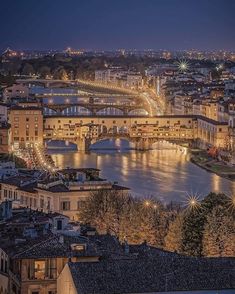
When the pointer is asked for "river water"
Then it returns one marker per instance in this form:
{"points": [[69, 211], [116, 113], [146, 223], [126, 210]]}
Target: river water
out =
{"points": [[165, 173]]}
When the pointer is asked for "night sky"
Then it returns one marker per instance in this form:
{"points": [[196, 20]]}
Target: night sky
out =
{"points": [[113, 24]]}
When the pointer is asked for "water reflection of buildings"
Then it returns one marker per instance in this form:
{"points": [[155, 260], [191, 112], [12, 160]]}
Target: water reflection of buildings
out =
{"points": [[218, 185], [162, 173]]}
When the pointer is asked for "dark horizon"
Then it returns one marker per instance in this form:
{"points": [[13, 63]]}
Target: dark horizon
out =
{"points": [[176, 25]]}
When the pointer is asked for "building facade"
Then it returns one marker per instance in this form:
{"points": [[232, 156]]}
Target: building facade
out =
{"points": [[15, 91], [26, 126]]}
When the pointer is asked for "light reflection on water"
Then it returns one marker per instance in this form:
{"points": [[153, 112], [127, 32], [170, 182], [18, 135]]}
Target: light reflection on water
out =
{"points": [[162, 173]]}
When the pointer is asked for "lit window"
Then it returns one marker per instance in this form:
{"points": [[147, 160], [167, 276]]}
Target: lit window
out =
{"points": [[39, 269]]}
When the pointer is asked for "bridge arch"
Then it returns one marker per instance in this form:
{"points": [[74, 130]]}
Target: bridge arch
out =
{"points": [[114, 142], [110, 111], [47, 110], [138, 111], [60, 144], [76, 110]]}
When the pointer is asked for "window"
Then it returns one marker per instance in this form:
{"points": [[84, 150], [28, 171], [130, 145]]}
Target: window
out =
{"points": [[59, 225], [39, 269], [27, 119], [5, 193], [65, 205], [80, 204], [41, 203], [79, 247], [51, 266]]}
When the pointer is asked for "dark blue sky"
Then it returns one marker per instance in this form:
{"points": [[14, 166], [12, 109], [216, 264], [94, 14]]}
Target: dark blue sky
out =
{"points": [[112, 24]]}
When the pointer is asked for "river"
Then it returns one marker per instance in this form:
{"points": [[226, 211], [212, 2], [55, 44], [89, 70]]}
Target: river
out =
{"points": [[165, 173]]}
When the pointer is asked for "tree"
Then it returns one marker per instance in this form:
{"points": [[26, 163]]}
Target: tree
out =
{"points": [[140, 224], [174, 237], [105, 209], [125, 217], [44, 71], [219, 234], [195, 221], [28, 69], [60, 74]]}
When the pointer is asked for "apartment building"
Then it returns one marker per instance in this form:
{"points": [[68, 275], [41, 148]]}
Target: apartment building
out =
{"points": [[64, 194], [26, 126]]}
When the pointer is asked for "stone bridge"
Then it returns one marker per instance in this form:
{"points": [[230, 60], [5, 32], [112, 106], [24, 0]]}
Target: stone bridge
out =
{"points": [[94, 108], [85, 95], [142, 131]]}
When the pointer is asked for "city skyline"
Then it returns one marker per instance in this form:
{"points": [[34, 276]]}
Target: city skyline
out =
{"points": [[109, 25], [117, 146]]}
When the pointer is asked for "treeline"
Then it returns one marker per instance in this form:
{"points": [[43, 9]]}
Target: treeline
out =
{"points": [[205, 228], [62, 66]]}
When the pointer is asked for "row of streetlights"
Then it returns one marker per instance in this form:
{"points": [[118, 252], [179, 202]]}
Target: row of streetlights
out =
{"points": [[43, 162]]}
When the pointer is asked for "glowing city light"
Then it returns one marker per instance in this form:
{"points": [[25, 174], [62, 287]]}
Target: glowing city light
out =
{"points": [[183, 65], [192, 202], [147, 203]]}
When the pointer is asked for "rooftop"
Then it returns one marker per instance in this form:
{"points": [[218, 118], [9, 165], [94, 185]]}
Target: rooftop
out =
{"points": [[150, 275]]}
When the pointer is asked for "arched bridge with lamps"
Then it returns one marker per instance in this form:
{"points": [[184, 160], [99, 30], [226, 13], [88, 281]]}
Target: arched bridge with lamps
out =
{"points": [[95, 109], [138, 141], [142, 131]]}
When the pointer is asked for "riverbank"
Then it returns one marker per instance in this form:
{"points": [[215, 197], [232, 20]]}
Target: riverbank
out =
{"points": [[203, 160]]}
